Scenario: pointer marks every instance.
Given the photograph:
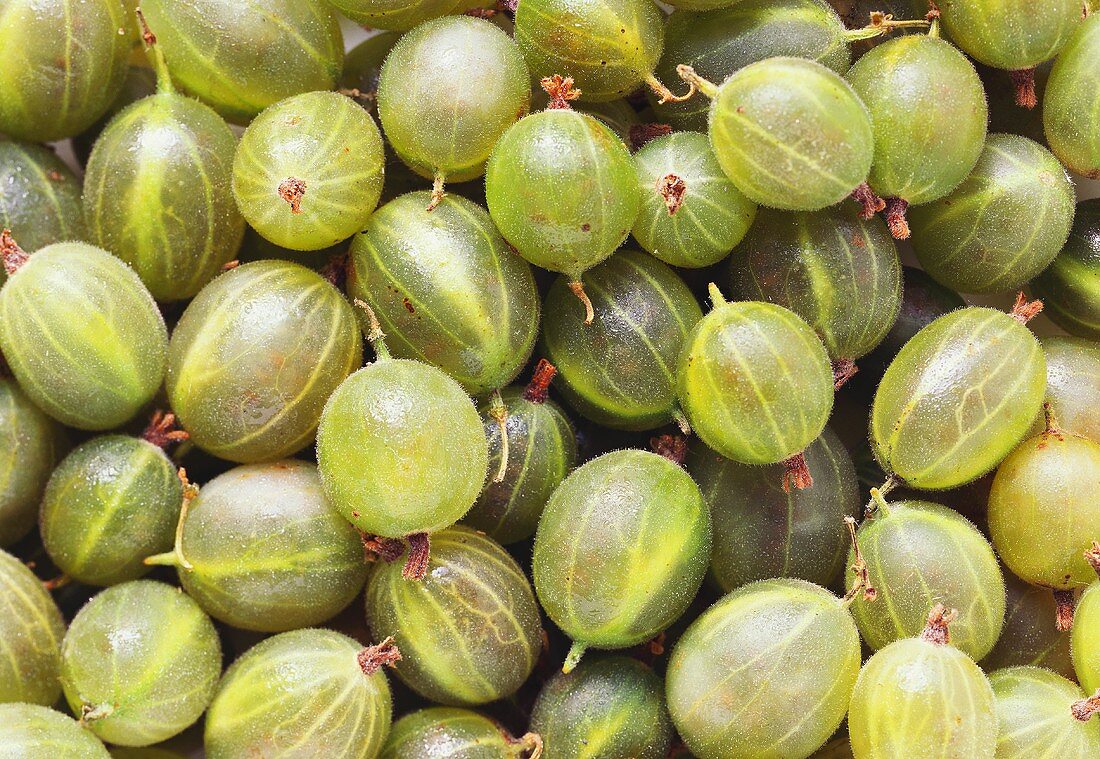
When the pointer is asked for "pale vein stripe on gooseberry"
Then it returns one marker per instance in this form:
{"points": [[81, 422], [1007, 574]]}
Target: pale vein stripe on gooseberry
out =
{"points": [[45, 186]]}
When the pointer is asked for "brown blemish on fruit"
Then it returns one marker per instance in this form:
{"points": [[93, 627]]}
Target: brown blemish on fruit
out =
{"points": [[163, 430], [1024, 310], [672, 189], [408, 305], [561, 91], [936, 631], [1024, 82], [539, 386], [870, 203], [292, 190], [586, 227], [796, 473], [640, 134], [416, 566], [1065, 602], [373, 658], [672, 447], [13, 255], [858, 241], [895, 218], [53, 175]]}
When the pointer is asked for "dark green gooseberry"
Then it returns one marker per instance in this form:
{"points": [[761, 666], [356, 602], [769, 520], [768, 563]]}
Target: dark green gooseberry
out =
{"points": [[399, 15], [81, 333], [308, 170], [469, 632], [618, 115], [1003, 225], [65, 63], [302, 693], [1070, 286], [1038, 715], [958, 397], [1084, 646], [749, 671], [789, 132], [621, 550], [448, 732], [1028, 638], [1071, 102], [140, 663], [141, 82], [36, 732], [692, 214], [256, 355], [40, 203], [763, 531], [240, 59], [643, 315], [612, 708], [446, 289], [31, 443], [532, 447], [920, 698], [31, 629], [1073, 384]]}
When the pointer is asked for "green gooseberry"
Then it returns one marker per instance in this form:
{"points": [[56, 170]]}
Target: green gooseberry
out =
{"points": [[399, 15], [256, 355], [140, 663], [532, 447], [81, 333], [612, 708], [1071, 102], [747, 673], [1003, 225], [302, 693], [40, 203], [65, 61], [29, 731], [692, 214], [763, 531], [447, 290], [1073, 384], [1043, 714], [1028, 638], [621, 550], [140, 82], [1070, 286], [454, 733], [1084, 646], [618, 115], [789, 132], [920, 698], [644, 313], [469, 631], [31, 629], [239, 59], [958, 397], [308, 170]]}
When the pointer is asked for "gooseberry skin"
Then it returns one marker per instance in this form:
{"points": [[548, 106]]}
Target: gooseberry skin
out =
{"points": [[1028, 638], [82, 335], [621, 549], [301, 692], [220, 51], [399, 15], [31, 629], [446, 289], [36, 732], [447, 731], [745, 674], [1084, 647], [1010, 34], [254, 358], [1033, 709], [41, 199], [1071, 102], [643, 315], [617, 115], [957, 398], [476, 635], [1003, 225], [143, 659], [703, 224], [327, 144], [1073, 384], [1070, 286]]}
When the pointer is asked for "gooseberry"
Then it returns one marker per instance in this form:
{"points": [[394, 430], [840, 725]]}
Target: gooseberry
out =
{"points": [[31, 628]]}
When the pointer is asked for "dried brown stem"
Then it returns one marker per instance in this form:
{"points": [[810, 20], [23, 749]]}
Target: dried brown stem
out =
{"points": [[867, 198], [859, 568], [1065, 602], [1084, 709], [163, 430], [292, 190], [537, 389], [416, 566], [1024, 310], [532, 744], [13, 255], [1024, 82], [665, 95], [895, 218], [437, 192], [936, 631], [335, 271], [672, 189], [672, 447], [485, 13], [376, 547], [1092, 556], [561, 91], [578, 289], [58, 582], [231, 265], [796, 473], [373, 658], [843, 370], [640, 134], [147, 35]]}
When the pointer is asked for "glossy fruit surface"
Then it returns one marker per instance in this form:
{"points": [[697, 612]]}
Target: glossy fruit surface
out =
{"points": [[1083, 644], [1070, 286], [256, 355], [398, 14], [31, 629], [1071, 102], [36, 732], [30, 445], [41, 199], [446, 731], [1033, 708], [1010, 34], [1028, 637], [1073, 384]]}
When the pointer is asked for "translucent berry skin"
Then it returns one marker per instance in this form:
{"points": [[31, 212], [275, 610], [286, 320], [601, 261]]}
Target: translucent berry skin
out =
{"points": [[329, 144], [562, 189], [745, 674], [37, 732], [1073, 384], [1033, 709], [447, 92], [469, 631], [1028, 637], [82, 335], [621, 549], [1071, 102], [957, 398], [145, 657], [256, 355], [399, 15], [1083, 643], [221, 52], [1010, 34], [299, 692], [755, 382], [644, 314], [791, 134], [710, 217], [762, 531], [1070, 286], [31, 628], [447, 731], [446, 289], [41, 199]]}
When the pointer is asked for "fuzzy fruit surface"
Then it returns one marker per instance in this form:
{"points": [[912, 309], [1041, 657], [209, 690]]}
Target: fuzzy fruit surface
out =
{"points": [[1033, 709], [399, 15], [618, 115], [762, 531], [840, 273], [1073, 385], [928, 114], [755, 382], [562, 189], [613, 708], [1003, 225], [37, 732], [1070, 286], [299, 692], [41, 199], [957, 398], [1084, 645], [1071, 103], [447, 731], [1029, 636], [31, 443], [82, 335], [256, 355], [469, 631], [644, 313], [220, 51], [31, 627], [748, 671], [1010, 34], [701, 223], [143, 660], [1044, 509], [110, 503], [791, 134], [621, 549], [140, 82], [447, 289]]}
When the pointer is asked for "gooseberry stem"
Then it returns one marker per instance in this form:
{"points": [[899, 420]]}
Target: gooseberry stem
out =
{"points": [[883, 23], [716, 297], [175, 557], [573, 658], [1024, 82], [499, 413], [14, 256], [796, 474], [1049, 421], [89, 713], [292, 190], [1065, 603], [869, 200], [155, 55], [640, 134], [437, 191], [578, 289], [672, 188], [1024, 310], [416, 566], [561, 91], [665, 95], [936, 631], [1084, 709], [531, 743], [843, 370], [672, 447], [859, 568], [58, 582], [162, 430], [681, 420], [375, 336], [1092, 556], [687, 73], [373, 658], [877, 505], [537, 389], [895, 218]]}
